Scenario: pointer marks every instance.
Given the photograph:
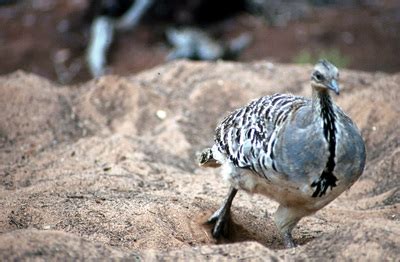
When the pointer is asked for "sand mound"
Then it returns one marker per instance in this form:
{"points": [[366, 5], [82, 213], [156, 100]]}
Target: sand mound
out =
{"points": [[106, 169]]}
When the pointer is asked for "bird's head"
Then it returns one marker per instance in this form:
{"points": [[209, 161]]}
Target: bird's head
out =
{"points": [[325, 76]]}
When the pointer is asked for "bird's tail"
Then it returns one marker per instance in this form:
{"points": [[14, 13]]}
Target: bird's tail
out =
{"points": [[205, 159]]}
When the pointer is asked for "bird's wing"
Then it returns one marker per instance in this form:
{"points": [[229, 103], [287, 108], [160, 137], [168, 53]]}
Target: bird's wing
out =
{"points": [[246, 136]]}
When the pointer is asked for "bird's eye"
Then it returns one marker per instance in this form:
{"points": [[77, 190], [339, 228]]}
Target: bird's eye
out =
{"points": [[318, 76]]}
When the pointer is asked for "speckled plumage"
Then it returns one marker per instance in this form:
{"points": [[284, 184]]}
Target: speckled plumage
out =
{"points": [[246, 137], [300, 152]]}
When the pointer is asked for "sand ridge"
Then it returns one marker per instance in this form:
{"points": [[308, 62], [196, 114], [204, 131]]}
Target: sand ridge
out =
{"points": [[92, 171]]}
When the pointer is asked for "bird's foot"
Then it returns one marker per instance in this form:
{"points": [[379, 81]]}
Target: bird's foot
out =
{"points": [[220, 219], [288, 240]]}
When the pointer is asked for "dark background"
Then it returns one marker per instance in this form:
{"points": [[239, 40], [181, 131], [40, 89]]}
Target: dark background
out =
{"points": [[49, 37]]}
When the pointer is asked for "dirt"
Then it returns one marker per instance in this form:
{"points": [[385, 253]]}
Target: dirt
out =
{"points": [[106, 169], [49, 38]]}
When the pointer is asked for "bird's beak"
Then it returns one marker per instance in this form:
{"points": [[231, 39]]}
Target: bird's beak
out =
{"points": [[333, 85]]}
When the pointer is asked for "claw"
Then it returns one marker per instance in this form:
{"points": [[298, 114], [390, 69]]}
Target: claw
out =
{"points": [[217, 214], [220, 219], [221, 228]]}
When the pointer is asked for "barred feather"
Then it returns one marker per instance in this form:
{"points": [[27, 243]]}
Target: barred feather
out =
{"points": [[247, 136]]}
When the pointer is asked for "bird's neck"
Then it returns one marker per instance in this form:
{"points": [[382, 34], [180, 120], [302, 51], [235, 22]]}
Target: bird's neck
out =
{"points": [[322, 104], [323, 110]]}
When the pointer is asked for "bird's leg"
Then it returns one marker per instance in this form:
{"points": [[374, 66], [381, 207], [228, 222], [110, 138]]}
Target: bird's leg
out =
{"points": [[221, 216], [286, 218]]}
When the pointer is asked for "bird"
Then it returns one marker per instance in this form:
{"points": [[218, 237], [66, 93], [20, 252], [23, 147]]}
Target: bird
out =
{"points": [[300, 152]]}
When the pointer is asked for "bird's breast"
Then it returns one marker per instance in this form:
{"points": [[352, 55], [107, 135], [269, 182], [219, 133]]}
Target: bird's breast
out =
{"points": [[301, 153], [350, 152]]}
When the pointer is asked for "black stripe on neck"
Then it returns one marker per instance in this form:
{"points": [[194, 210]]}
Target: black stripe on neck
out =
{"points": [[327, 178]]}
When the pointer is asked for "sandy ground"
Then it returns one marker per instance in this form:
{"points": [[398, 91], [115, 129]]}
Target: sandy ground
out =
{"points": [[95, 171]]}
